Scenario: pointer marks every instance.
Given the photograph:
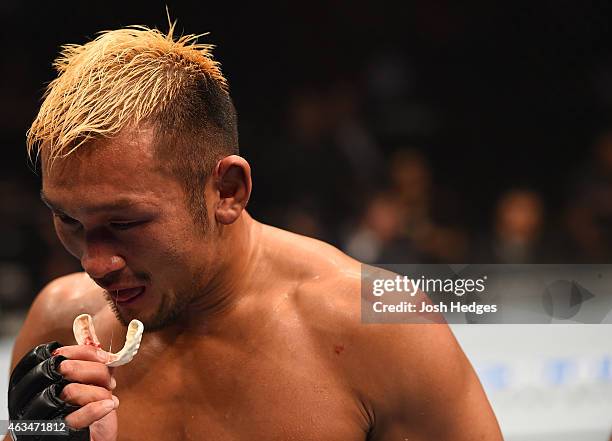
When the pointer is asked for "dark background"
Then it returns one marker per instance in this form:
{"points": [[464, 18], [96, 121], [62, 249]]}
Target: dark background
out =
{"points": [[487, 97]]}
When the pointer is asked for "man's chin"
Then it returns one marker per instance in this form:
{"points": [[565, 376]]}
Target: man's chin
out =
{"points": [[126, 314], [149, 321], [161, 317]]}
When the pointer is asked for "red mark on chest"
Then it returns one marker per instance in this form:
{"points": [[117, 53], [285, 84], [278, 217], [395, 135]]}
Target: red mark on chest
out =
{"points": [[338, 349]]}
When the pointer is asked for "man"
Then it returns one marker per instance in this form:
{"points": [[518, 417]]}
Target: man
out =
{"points": [[251, 332]]}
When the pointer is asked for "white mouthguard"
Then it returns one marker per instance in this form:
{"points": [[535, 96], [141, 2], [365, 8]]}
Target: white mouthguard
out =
{"points": [[85, 334]]}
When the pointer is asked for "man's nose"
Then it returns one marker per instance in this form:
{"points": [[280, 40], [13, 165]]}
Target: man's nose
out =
{"points": [[98, 262]]}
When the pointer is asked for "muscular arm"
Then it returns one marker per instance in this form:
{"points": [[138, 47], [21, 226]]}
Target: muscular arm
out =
{"points": [[428, 389], [51, 314], [48, 318]]}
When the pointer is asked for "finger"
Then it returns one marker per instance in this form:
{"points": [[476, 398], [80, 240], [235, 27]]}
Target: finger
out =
{"points": [[113, 384], [88, 372], [91, 413], [36, 356], [34, 382], [83, 352], [83, 394]]}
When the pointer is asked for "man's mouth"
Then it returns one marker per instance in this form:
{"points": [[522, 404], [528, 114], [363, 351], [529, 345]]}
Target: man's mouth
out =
{"points": [[126, 296]]}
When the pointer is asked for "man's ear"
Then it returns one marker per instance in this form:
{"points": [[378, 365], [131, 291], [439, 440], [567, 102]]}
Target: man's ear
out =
{"points": [[232, 177]]}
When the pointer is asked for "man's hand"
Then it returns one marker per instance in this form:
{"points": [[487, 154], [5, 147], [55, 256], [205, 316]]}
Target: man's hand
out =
{"points": [[91, 388], [69, 382]]}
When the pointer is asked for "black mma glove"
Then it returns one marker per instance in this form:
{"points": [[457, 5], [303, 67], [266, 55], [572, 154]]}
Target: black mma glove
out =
{"points": [[34, 390]]}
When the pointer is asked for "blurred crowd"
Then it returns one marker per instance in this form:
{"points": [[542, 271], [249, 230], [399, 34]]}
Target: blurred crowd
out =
{"points": [[333, 178], [411, 218]]}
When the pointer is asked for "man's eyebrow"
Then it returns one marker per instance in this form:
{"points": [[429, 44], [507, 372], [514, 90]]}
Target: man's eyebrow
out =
{"points": [[115, 205]]}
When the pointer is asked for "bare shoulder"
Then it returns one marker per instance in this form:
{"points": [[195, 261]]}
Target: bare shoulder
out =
{"points": [[67, 295], [326, 282], [402, 373], [51, 315]]}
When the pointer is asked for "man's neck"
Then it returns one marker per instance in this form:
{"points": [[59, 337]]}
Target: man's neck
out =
{"points": [[238, 259]]}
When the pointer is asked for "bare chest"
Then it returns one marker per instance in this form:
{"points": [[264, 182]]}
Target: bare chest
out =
{"points": [[215, 391]]}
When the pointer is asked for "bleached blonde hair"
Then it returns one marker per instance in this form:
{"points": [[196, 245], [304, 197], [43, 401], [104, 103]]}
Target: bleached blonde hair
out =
{"points": [[122, 77], [133, 75]]}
